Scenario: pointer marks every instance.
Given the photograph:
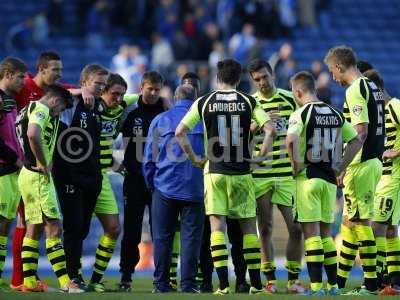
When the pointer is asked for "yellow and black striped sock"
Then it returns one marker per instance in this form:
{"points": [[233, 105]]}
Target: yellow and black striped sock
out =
{"points": [[330, 261], [293, 268], [3, 252], [252, 256], [56, 255], [176, 247], [269, 268], [393, 260], [315, 259], [219, 254], [30, 256], [347, 256], [380, 258], [104, 253], [367, 248], [199, 275]]}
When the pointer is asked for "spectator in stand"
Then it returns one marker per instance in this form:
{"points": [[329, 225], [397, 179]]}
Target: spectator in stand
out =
{"points": [[306, 11], [241, 43], [55, 16], [204, 74], [161, 52], [322, 9], [166, 18], [287, 15], [316, 68], [324, 91], [183, 48], [40, 32], [283, 65], [19, 36], [205, 40], [97, 24], [130, 63], [227, 23]]}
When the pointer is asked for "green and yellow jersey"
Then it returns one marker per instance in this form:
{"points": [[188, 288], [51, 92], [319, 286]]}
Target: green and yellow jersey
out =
{"points": [[111, 119], [39, 114], [278, 163], [364, 104], [392, 124]]}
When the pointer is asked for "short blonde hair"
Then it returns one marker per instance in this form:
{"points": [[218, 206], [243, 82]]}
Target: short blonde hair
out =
{"points": [[342, 55]]}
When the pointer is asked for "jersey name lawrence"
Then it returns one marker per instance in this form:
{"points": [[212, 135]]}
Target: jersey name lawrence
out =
{"points": [[227, 118]]}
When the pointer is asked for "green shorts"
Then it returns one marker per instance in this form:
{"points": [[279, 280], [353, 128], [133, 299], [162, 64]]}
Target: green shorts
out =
{"points": [[360, 184], [282, 189], [229, 195], [9, 195], [106, 202], [39, 196], [386, 204], [315, 200]]}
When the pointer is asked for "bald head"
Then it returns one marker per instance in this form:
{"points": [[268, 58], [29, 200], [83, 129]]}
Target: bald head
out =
{"points": [[185, 91]]}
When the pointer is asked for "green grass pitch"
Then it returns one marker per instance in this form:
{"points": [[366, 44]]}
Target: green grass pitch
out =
{"points": [[142, 290]]}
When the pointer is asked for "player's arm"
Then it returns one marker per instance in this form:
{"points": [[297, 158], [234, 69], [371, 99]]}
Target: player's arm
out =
{"points": [[296, 126], [264, 121], [354, 144], [34, 135], [362, 131], [87, 96], [187, 123], [358, 110]]}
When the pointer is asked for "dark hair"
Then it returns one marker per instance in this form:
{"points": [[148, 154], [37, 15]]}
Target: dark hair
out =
{"points": [[12, 65], [45, 57], [375, 77], [257, 64], [229, 71], [92, 69], [114, 79], [56, 90], [342, 55], [152, 77], [305, 79], [185, 91], [363, 65], [192, 79]]}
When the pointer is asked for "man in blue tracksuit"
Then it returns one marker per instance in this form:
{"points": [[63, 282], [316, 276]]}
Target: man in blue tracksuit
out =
{"points": [[177, 191]]}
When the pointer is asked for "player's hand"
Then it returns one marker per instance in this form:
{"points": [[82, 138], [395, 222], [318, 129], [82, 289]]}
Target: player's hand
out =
{"points": [[88, 98], [389, 155], [119, 168], [339, 180], [253, 127], [298, 167], [274, 115], [45, 170], [199, 162]]}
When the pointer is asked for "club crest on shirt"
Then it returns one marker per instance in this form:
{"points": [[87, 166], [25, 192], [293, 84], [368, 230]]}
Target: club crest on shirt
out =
{"points": [[292, 122], [357, 110], [138, 121], [40, 115]]}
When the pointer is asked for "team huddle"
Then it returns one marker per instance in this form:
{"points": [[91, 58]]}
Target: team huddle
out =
{"points": [[276, 147]]}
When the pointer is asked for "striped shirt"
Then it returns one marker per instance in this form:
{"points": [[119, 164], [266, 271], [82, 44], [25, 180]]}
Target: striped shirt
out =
{"points": [[278, 163], [392, 124]]}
